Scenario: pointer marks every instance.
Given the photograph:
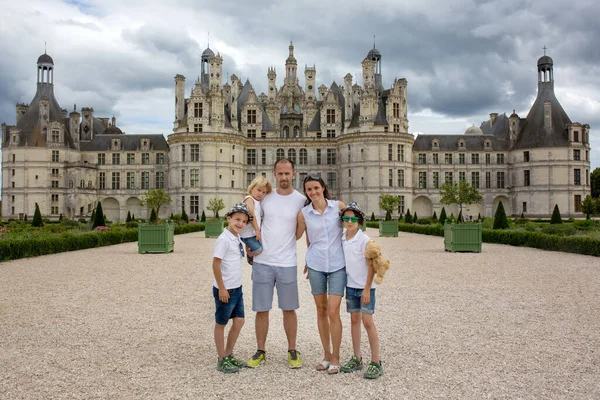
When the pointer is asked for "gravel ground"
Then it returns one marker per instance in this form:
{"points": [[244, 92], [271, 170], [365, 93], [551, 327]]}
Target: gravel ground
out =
{"points": [[109, 323]]}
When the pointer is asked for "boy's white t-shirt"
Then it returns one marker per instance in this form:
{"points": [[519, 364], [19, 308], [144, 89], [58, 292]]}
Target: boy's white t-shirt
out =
{"points": [[249, 230], [227, 248], [278, 229], [357, 267]]}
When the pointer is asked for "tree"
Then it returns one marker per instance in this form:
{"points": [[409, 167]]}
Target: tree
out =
{"points": [[478, 217], [153, 217], [203, 218], [460, 218], [99, 216], [588, 206], [388, 203], [408, 218], [171, 217], [434, 215], [155, 198], [595, 183], [128, 219], [443, 216], [373, 216], [93, 217], [460, 193], [500, 220], [133, 217], [185, 217], [60, 217], [556, 219], [37, 217], [215, 205]]}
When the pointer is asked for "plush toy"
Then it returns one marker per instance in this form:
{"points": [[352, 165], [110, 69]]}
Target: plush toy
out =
{"points": [[380, 264]]}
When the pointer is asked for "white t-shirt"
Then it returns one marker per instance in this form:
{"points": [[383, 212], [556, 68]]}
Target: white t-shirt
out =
{"points": [[227, 248], [249, 230], [357, 267], [278, 229]]}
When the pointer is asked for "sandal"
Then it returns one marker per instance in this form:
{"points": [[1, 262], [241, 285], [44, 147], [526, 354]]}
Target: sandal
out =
{"points": [[333, 369], [323, 365]]}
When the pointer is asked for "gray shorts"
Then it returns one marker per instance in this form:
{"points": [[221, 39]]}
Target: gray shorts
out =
{"points": [[264, 280]]}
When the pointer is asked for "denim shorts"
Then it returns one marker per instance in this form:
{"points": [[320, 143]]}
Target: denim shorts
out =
{"points": [[233, 309], [332, 283], [252, 243], [354, 301]]}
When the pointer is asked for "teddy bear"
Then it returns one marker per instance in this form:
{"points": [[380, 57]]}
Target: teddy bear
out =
{"points": [[380, 264]]}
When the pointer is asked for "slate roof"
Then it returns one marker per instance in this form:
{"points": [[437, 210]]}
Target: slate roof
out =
{"points": [[128, 142]]}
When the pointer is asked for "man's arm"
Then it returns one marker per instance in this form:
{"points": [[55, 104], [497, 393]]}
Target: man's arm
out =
{"points": [[300, 226]]}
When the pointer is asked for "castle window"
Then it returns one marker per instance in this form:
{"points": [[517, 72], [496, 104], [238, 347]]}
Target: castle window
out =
{"points": [[303, 157], [130, 180], [318, 156], [396, 110], [198, 128], [576, 136], [319, 135], [448, 158], [183, 152], [183, 178], [576, 155], [390, 177], [130, 158], [396, 128], [401, 178], [55, 136], [251, 133], [251, 156], [526, 178], [160, 180], [499, 158], [145, 158], [249, 178], [332, 180], [198, 110], [286, 131], [461, 158], [194, 152], [577, 203], [526, 156], [524, 206], [82, 184], [475, 179], [577, 176], [194, 177], [400, 152], [160, 158], [263, 135], [474, 158], [263, 156], [500, 180], [102, 180], [422, 158], [330, 133], [280, 154], [448, 178], [116, 158], [292, 155], [401, 205], [116, 180], [54, 184], [331, 116], [436, 180], [55, 156], [194, 204], [55, 198], [488, 159], [251, 116], [488, 180], [462, 176], [390, 152], [331, 156], [54, 171], [145, 178], [422, 180]]}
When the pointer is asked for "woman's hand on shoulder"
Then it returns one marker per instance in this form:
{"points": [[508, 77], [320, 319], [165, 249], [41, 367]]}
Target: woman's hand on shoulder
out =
{"points": [[341, 205]]}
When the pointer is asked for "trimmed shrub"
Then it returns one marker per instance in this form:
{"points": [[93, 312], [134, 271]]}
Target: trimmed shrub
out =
{"points": [[408, 217], [434, 215], [37, 217], [559, 229], [203, 217], [184, 217], [443, 216], [415, 217], [500, 221], [373, 216], [128, 219], [556, 219], [99, 216], [478, 217]]}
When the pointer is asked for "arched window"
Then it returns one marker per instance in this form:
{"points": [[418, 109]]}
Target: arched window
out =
{"points": [[303, 157], [292, 155], [280, 154], [286, 131], [296, 131]]}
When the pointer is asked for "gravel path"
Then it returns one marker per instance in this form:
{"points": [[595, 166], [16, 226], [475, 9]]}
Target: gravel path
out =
{"points": [[109, 323]]}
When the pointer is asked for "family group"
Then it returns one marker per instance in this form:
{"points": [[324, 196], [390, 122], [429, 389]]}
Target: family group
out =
{"points": [[270, 222]]}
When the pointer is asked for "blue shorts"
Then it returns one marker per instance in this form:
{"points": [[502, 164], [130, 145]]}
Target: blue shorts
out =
{"points": [[233, 309], [354, 301], [327, 282], [252, 243]]}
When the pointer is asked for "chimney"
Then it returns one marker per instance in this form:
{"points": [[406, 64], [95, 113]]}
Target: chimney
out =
{"points": [[548, 116], [493, 119]]}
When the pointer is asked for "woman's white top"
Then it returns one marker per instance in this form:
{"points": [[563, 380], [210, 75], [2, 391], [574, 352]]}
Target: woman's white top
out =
{"points": [[249, 230], [357, 267], [324, 233]]}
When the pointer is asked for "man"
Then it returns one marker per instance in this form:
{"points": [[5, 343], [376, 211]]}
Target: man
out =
{"points": [[276, 265]]}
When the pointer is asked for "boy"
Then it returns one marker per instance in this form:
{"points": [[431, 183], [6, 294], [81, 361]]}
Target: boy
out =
{"points": [[227, 287]]}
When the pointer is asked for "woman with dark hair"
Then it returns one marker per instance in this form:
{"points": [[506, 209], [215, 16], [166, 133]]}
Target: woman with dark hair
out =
{"points": [[325, 265]]}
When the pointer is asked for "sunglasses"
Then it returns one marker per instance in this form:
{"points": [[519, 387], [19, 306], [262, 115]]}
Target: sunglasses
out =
{"points": [[349, 219], [242, 250], [312, 177]]}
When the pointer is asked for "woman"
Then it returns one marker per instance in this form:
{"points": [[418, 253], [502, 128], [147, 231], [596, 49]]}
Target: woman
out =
{"points": [[325, 265]]}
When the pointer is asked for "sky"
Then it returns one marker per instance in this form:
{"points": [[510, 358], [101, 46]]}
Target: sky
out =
{"points": [[463, 59]]}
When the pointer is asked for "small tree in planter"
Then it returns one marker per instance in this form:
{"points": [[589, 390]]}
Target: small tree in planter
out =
{"points": [[460, 193], [153, 217], [556, 219], [37, 217], [155, 198], [500, 220], [214, 226], [388, 203], [98, 216]]}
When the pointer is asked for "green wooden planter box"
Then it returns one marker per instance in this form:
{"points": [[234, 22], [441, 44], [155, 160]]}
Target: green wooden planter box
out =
{"points": [[213, 228], [462, 237], [156, 238], [388, 228]]}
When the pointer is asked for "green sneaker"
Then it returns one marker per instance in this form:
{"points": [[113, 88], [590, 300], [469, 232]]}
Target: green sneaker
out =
{"points": [[374, 370], [226, 366], [294, 359], [355, 364], [238, 363], [258, 357]]}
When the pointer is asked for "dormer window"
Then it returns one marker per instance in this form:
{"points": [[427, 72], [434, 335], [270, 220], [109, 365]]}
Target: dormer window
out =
{"points": [[576, 136], [116, 144], [435, 144], [488, 144], [461, 143], [251, 117], [145, 144]]}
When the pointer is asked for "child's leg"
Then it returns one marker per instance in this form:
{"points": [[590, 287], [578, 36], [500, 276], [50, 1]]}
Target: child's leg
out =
{"points": [[234, 332], [220, 340], [355, 328], [373, 336]]}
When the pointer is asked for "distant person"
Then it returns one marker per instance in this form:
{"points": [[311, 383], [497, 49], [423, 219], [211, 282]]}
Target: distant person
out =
{"points": [[325, 265], [276, 265], [360, 291], [259, 187], [227, 287]]}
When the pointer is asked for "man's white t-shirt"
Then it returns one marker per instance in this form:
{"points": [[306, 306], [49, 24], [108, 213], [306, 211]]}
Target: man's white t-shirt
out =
{"points": [[228, 249], [278, 229]]}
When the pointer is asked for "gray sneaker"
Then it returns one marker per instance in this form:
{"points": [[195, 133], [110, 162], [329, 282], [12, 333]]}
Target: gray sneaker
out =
{"points": [[374, 370], [226, 366]]}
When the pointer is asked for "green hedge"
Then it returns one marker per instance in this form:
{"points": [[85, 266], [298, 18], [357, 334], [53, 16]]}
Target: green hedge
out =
{"points": [[21, 248]]}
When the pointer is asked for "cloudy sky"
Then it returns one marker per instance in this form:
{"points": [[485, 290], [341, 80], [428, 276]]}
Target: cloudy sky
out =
{"points": [[463, 59]]}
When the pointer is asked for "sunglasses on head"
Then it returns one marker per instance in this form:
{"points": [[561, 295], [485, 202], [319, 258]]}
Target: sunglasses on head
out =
{"points": [[242, 250], [312, 177], [349, 219]]}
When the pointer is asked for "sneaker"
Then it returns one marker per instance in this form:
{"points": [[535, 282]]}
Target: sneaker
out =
{"points": [[258, 357], [374, 370], [294, 359], [238, 363], [355, 364], [226, 366]]}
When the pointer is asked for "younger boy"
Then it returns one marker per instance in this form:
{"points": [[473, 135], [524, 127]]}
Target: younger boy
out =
{"points": [[227, 287]]}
